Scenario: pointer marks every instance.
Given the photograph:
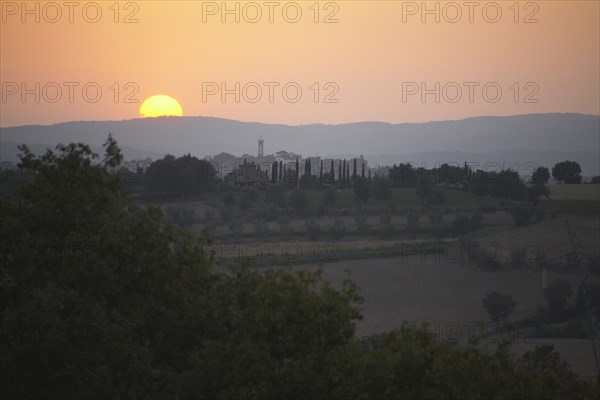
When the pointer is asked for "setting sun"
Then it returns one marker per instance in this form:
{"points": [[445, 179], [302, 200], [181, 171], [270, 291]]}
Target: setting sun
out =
{"points": [[159, 106]]}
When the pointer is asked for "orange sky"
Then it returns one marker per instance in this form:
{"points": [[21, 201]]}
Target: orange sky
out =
{"points": [[370, 54]]}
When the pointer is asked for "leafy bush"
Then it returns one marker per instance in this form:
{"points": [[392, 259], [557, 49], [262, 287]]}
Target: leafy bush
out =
{"points": [[499, 306], [521, 215], [461, 224], [435, 214]]}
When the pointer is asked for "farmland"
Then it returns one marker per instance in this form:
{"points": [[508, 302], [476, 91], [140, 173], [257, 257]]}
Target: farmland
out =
{"points": [[416, 277]]}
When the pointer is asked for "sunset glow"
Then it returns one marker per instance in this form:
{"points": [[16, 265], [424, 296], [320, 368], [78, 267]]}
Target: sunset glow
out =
{"points": [[359, 53], [161, 105]]}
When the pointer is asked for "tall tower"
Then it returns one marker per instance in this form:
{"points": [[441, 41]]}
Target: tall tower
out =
{"points": [[261, 143]]}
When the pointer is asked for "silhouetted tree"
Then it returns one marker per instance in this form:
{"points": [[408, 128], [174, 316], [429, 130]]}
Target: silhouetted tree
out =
{"points": [[499, 306], [536, 191], [183, 175], [280, 169], [274, 176], [331, 171], [321, 172], [540, 175], [567, 172], [403, 175]]}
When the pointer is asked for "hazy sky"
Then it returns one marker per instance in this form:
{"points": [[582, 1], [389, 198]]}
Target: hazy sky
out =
{"points": [[375, 60]]}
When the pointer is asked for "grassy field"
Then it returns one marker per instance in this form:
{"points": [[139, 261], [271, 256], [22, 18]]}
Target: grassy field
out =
{"points": [[575, 192], [426, 290], [449, 298], [574, 199], [550, 235]]}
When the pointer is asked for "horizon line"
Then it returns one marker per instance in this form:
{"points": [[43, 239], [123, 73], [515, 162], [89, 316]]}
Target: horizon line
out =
{"points": [[307, 124]]}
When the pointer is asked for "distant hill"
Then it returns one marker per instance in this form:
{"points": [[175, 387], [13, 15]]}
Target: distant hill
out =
{"points": [[548, 137]]}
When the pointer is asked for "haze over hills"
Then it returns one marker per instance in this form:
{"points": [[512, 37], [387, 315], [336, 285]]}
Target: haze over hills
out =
{"points": [[538, 138]]}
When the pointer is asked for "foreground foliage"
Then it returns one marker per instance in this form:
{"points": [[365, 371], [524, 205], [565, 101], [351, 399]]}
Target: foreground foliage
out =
{"points": [[98, 300]]}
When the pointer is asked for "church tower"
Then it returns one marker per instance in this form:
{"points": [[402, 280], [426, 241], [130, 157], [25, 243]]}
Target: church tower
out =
{"points": [[261, 143]]}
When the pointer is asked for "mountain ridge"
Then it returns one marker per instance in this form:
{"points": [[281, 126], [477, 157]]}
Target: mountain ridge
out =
{"points": [[566, 133]]}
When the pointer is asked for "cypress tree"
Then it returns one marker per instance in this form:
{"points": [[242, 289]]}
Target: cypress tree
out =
{"points": [[321, 171], [348, 171], [332, 171], [281, 171]]}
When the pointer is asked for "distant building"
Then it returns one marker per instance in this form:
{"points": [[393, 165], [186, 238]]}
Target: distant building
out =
{"points": [[248, 174], [250, 170], [261, 144]]}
